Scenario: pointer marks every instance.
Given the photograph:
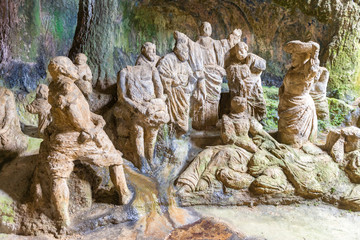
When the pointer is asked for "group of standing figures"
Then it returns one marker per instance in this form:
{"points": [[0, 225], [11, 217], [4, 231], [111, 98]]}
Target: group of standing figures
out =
{"points": [[183, 84]]}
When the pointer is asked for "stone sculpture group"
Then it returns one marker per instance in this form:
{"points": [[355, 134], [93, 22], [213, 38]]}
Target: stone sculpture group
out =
{"points": [[183, 89]]}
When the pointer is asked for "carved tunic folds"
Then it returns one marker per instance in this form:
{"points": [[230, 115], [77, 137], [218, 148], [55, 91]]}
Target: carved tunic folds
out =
{"points": [[175, 78]]}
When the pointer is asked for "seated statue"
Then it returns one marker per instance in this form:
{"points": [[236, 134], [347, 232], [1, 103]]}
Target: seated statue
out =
{"points": [[318, 94], [297, 113], [75, 133], [12, 141], [148, 55], [41, 107], [227, 163], [140, 93], [244, 80], [177, 79], [84, 82]]}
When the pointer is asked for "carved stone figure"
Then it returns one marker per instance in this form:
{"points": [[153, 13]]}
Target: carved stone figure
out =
{"points": [[148, 55], [41, 107], [84, 82], [75, 134], [12, 141], [177, 78], [226, 163], [318, 93], [244, 79], [141, 92], [208, 56], [297, 114]]}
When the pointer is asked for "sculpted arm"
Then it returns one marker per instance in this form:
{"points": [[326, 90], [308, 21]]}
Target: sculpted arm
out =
{"points": [[228, 134], [122, 93], [159, 90]]}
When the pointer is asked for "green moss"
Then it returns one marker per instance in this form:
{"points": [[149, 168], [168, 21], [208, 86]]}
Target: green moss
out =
{"points": [[33, 144], [338, 111], [7, 212], [271, 95]]}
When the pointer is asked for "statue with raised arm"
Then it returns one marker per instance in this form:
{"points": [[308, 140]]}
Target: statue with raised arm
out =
{"points": [[177, 78], [208, 55], [244, 79], [297, 113], [148, 55], [141, 92], [12, 141], [318, 94], [84, 82], [75, 133], [41, 107]]}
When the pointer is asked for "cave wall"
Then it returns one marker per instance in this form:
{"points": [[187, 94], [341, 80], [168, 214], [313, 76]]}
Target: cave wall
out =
{"points": [[111, 33]]}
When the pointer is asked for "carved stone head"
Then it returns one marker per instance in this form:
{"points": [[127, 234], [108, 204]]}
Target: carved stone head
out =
{"points": [[148, 49], [301, 52], [238, 104], [205, 29], [181, 48], [235, 37], [80, 59], [63, 66], [42, 91], [241, 50]]}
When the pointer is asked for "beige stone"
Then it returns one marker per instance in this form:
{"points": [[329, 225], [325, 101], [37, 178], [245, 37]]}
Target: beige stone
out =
{"points": [[12, 141], [75, 133], [148, 55], [318, 94], [297, 113], [243, 74], [140, 93], [84, 82], [177, 79], [41, 107], [207, 56]]}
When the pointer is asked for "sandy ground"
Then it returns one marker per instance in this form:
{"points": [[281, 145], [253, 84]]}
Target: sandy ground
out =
{"points": [[294, 222]]}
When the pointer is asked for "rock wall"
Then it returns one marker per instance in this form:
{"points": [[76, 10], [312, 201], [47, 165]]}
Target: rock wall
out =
{"points": [[111, 32]]}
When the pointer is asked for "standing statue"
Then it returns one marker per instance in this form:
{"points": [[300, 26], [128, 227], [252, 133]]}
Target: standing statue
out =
{"points": [[244, 80], [12, 141], [84, 82], [297, 113], [41, 107], [148, 55], [141, 92], [75, 133], [318, 94], [177, 78], [208, 55]]}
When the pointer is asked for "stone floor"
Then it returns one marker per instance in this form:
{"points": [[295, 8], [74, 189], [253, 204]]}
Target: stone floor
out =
{"points": [[294, 222]]}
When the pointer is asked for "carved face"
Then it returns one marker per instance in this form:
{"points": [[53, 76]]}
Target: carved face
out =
{"points": [[206, 29], [80, 59], [238, 104], [149, 51], [299, 59], [241, 51], [63, 66], [181, 50], [235, 37]]}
